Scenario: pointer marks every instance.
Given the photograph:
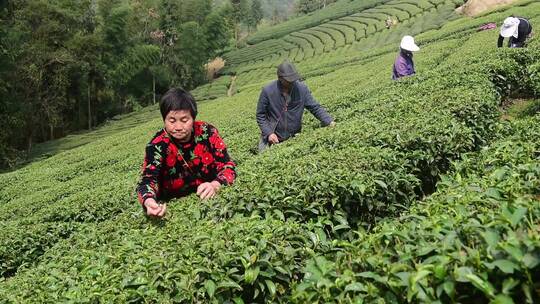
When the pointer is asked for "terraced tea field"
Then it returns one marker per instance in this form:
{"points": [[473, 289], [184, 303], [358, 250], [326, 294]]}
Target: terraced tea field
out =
{"points": [[422, 193]]}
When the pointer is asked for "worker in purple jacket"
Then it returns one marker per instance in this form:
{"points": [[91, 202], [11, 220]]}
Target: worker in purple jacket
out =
{"points": [[404, 65]]}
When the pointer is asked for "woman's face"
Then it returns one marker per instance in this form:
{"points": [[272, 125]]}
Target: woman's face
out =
{"points": [[179, 125]]}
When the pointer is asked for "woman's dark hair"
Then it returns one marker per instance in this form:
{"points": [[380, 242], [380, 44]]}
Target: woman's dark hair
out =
{"points": [[177, 99]]}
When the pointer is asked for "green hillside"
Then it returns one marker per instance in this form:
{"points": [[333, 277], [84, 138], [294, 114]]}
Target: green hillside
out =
{"points": [[422, 193], [323, 36], [322, 44]]}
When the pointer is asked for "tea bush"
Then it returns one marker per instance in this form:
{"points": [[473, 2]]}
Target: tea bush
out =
{"points": [[421, 193], [476, 239]]}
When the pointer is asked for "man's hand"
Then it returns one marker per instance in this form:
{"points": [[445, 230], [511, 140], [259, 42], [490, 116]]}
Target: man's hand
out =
{"points": [[273, 139], [332, 124], [208, 190], [154, 209]]}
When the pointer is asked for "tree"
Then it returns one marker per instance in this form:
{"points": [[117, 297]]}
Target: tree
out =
{"points": [[308, 6], [43, 65], [137, 60], [67, 65], [217, 34], [186, 58], [255, 15], [239, 14], [176, 12], [195, 10], [87, 48], [10, 114]]}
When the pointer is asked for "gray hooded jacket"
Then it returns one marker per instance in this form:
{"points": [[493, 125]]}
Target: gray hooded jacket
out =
{"points": [[275, 115]]}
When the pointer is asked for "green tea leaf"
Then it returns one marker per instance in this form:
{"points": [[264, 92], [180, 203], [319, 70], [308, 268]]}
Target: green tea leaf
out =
{"points": [[251, 274], [518, 214], [461, 274], [502, 299], [381, 183], [505, 266], [515, 252], [229, 284], [509, 284], [440, 271], [494, 193], [210, 287], [530, 261], [484, 286], [355, 286], [449, 288], [271, 287], [238, 300], [491, 237]]}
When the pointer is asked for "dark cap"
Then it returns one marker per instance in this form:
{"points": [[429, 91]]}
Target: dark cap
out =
{"points": [[288, 71]]}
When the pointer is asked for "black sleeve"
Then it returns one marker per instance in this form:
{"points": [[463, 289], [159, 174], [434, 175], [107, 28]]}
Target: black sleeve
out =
{"points": [[525, 28], [500, 41], [153, 162]]}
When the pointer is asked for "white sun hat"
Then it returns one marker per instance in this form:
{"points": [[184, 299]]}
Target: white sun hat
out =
{"points": [[407, 43], [510, 27]]}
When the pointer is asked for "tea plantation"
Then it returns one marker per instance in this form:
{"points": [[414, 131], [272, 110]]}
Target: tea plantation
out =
{"points": [[424, 192]]}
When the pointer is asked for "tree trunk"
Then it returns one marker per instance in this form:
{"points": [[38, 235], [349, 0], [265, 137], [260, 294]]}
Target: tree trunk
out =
{"points": [[30, 130], [79, 114], [95, 94], [89, 108], [29, 143], [30, 134], [154, 88], [236, 29]]}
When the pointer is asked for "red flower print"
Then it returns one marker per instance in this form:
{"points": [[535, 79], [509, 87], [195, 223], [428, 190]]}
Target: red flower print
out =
{"points": [[163, 166], [165, 139], [197, 129], [156, 140], [207, 158], [229, 176], [199, 150], [172, 151], [171, 159], [177, 184], [217, 142]]}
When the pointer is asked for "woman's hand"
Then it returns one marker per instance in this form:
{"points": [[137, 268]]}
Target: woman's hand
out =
{"points": [[208, 190], [154, 209]]}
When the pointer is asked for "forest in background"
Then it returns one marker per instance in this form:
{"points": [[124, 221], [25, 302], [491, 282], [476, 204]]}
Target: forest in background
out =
{"points": [[69, 65]]}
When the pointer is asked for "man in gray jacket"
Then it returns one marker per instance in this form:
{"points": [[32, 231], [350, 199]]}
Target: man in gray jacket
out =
{"points": [[281, 106]]}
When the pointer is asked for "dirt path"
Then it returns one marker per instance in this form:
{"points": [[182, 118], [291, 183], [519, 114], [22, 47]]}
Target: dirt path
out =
{"points": [[475, 7], [232, 87], [213, 67]]}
